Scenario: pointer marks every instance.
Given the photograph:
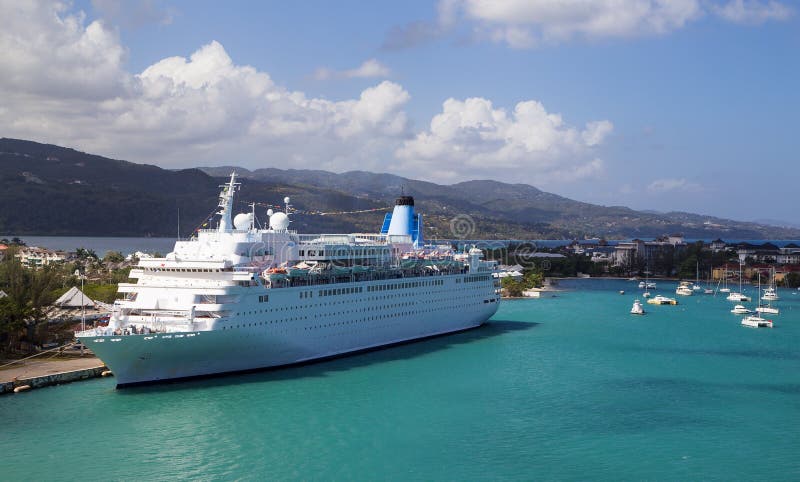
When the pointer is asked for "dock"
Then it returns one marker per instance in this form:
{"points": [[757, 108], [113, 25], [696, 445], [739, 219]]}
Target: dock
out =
{"points": [[44, 373]]}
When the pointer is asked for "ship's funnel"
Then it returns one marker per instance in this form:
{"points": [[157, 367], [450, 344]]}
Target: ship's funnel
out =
{"points": [[403, 220]]}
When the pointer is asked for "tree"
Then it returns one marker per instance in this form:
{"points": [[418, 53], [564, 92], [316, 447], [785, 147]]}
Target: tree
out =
{"points": [[792, 280], [29, 292], [113, 257], [86, 255]]}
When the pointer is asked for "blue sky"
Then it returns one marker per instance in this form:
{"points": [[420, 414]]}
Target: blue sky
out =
{"points": [[681, 105]]}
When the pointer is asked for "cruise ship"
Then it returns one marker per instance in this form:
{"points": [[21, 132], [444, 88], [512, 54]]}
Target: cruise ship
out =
{"points": [[241, 297]]}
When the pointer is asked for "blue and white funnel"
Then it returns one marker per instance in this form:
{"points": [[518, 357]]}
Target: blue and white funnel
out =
{"points": [[403, 221]]}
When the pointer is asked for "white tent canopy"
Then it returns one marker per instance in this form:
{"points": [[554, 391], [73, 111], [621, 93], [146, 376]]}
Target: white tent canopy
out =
{"points": [[74, 298]]}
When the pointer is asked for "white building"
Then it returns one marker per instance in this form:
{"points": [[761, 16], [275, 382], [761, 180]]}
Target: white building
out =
{"points": [[34, 256]]}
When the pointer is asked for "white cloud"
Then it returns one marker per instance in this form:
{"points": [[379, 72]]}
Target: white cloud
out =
{"points": [[370, 68], [63, 82], [45, 50], [752, 11], [596, 131], [528, 23], [673, 185], [471, 138]]}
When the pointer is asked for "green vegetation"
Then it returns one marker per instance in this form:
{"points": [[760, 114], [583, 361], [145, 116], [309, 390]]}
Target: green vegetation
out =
{"points": [[792, 280], [530, 279], [70, 192], [27, 318], [29, 292]]}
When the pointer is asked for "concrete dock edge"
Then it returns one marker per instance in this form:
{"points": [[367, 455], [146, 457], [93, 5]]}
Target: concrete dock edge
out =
{"points": [[53, 379]]}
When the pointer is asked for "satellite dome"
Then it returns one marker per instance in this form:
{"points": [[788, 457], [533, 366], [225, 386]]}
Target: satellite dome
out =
{"points": [[279, 221], [286, 200], [243, 221], [270, 212]]}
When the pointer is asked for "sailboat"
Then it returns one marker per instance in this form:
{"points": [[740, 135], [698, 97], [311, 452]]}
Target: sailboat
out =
{"points": [[708, 290], [684, 289], [646, 285], [724, 280], [765, 309], [738, 296], [769, 308], [771, 293], [696, 286], [755, 321]]}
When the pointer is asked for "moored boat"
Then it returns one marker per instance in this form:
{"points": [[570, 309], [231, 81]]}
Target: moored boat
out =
{"points": [[240, 297], [740, 310], [662, 300], [754, 321]]}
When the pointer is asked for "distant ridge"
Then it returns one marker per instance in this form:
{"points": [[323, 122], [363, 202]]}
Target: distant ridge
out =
{"points": [[52, 190]]}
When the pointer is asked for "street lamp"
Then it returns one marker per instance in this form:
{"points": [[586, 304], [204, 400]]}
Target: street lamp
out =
{"points": [[83, 308]]}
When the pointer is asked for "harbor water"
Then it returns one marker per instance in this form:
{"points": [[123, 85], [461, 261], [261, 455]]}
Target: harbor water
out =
{"points": [[564, 387]]}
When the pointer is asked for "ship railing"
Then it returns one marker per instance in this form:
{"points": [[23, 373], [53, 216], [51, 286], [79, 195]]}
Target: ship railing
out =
{"points": [[318, 279], [353, 238]]}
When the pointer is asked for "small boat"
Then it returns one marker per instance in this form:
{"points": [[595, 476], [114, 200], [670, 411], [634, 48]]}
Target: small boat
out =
{"points": [[738, 297], [770, 294], [684, 289], [646, 294], [696, 286], [622, 292], [765, 309], [637, 308], [754, 321], [647, 285], [708, 291], [740, 310], [724, 290], [662, 300]]}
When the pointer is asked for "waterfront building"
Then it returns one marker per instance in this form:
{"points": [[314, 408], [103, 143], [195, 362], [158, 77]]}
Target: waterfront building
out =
{"points": [[34, 256]]}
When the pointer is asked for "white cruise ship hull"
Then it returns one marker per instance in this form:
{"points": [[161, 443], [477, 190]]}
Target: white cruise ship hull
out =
{"points": [[291, 329]]}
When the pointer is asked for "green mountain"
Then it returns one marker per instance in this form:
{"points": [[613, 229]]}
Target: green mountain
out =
{"points": [[518, 211], [52, 190]]}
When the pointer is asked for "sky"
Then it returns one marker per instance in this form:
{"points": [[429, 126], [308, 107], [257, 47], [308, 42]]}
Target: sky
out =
{"points": [[667, 105]]}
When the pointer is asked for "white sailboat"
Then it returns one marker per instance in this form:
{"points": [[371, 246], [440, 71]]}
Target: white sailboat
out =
{"points": [[739, 296], [684, 289], [708, 290], [724, 280], [740, 310], [771, 293], [769, 308], [697, 286], [646, 285], [756, 321]]}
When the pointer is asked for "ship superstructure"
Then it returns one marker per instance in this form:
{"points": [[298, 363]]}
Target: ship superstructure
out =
{"points": [[239, 297]]}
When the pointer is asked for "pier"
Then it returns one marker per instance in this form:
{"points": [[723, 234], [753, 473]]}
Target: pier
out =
{"points": [[44, 373]]}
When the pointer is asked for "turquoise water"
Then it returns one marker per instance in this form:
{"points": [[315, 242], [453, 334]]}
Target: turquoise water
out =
{"points": [[570, 387]]}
